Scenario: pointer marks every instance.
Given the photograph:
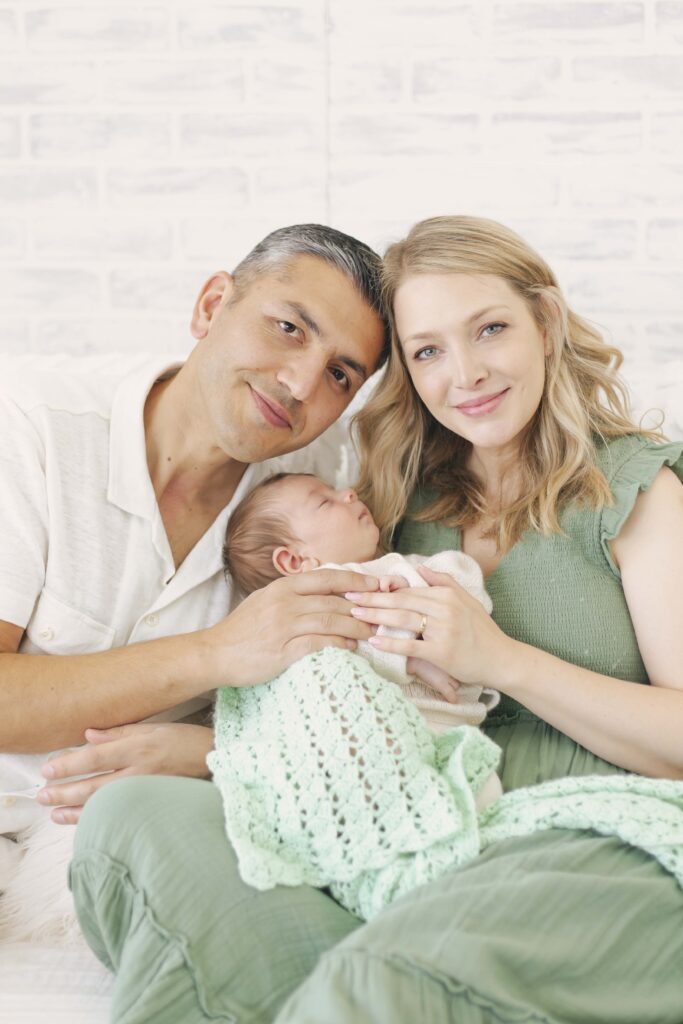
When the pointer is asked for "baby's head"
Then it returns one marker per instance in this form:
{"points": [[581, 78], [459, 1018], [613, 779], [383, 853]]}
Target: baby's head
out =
{"points": [[294, 522]]}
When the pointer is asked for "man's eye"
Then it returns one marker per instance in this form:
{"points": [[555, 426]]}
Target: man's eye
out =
{"points": [[340, 376], [287, 327]]}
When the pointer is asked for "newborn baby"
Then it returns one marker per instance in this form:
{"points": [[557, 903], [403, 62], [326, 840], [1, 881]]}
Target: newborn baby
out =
{"points": [[292, 523], [330, 775]]}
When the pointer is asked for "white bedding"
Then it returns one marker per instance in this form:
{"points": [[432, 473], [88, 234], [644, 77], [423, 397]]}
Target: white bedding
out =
{"points": [[41, 984]]}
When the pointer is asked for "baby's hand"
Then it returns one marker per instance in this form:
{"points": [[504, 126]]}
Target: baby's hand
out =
{"points": [[389, 583], [433, 676]]}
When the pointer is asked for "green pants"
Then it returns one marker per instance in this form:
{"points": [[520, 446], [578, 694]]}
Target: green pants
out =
{"points": [[562, 927]]}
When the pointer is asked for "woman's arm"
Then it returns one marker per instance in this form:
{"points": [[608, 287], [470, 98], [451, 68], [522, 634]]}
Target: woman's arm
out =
{"points": [[636, 727]]}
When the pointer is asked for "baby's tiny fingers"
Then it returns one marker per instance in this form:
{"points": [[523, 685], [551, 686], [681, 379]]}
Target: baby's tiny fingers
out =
{"points": [[66, 815]]}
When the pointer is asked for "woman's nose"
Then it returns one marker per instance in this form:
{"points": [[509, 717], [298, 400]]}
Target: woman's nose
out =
{"points": [[466, 370]]}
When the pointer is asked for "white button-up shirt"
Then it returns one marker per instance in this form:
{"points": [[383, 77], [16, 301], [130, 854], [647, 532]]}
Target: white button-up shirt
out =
{"points": [[85, 563]]}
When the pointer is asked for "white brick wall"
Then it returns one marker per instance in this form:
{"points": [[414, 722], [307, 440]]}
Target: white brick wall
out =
{"points": [[143, 145]]}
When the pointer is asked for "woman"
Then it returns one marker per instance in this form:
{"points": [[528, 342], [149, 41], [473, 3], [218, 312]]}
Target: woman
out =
{"points": [[502, 417], [501, 428], [498, 428]]}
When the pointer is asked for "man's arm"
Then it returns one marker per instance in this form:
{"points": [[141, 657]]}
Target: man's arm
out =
{"points": [[48, 701]]}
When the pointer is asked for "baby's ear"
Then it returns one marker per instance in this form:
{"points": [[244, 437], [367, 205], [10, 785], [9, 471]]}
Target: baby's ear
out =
{"points": [[289, 563]]}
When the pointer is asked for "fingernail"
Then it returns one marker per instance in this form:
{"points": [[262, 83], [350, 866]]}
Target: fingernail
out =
{"points": [[59, 817], [358, 612], [376, 641], [47, 771], [353, 596], [44, 796]]}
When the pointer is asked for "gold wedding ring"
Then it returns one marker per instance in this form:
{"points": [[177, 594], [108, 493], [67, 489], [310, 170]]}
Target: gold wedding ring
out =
{"points": [[423, 625]]}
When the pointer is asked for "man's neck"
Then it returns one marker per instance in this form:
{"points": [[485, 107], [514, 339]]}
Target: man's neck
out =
{"points": [[192, 480], [179, 455]]}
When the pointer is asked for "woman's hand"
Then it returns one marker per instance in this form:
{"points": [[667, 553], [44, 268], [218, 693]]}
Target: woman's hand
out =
{"points": [[454, 631], [146, 748]]}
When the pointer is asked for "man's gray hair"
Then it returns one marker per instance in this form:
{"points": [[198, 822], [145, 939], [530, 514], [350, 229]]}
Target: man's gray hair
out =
{"points": [[355, 259]]}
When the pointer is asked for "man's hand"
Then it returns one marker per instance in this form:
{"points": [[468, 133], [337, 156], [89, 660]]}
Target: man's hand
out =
{"points": [[146, 748], [275, 626]]}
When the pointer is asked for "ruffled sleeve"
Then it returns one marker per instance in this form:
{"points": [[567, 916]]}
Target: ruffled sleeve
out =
{"points": [[630, 465]]}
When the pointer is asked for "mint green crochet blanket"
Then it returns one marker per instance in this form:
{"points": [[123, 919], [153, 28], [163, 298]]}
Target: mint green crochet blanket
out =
{"points": [[330, 777]]}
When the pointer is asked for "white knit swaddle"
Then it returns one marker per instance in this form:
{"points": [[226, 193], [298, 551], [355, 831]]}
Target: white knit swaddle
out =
{"points": [[330, 776]]}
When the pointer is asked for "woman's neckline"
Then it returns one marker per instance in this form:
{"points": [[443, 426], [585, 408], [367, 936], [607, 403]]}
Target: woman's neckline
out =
{"points": [[499, 564]]}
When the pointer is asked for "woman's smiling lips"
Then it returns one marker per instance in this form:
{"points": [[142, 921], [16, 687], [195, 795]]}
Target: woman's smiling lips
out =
{"points": [[483, 405], [273, 413]]}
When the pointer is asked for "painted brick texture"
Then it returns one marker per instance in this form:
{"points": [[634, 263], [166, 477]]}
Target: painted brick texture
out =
{"points": [[144, 145]]}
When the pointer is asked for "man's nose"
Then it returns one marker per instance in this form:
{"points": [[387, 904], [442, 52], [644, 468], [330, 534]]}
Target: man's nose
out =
{"points": [[302, 374]]}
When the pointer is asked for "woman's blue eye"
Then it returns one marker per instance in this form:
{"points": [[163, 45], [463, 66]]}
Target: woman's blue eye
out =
{"points": [[424, 353], [494, 328]]}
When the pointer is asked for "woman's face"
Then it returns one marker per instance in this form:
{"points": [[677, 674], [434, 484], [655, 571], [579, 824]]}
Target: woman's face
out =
{"points": [[475, 354]]}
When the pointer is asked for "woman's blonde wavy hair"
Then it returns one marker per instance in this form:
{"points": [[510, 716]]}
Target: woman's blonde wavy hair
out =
{"points": [[403, 447]]}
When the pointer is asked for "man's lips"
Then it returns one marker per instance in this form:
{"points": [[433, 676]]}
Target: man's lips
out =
{"points": [[270, 410], [483, 404]]}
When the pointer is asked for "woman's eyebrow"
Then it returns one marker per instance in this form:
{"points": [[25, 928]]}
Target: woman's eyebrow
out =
{"points": [[421, 336], [430, 335], [485, 310]]}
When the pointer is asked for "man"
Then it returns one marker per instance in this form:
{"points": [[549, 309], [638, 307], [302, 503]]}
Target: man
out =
{"points": [[115, 495]]}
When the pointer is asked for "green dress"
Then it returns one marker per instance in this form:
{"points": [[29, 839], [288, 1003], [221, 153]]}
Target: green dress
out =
{"points": [[560, 927], [563, 594]]}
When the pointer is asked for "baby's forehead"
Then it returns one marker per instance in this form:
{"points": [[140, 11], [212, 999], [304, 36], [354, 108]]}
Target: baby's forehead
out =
{"points": [[298, 486], [303, 483]]}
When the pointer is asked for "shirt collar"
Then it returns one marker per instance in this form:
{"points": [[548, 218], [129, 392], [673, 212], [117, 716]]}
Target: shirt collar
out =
{"points": [[129, 485]]}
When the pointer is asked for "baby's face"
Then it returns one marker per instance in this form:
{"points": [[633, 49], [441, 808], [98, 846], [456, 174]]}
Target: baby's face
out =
{"points": [[333, 526]]}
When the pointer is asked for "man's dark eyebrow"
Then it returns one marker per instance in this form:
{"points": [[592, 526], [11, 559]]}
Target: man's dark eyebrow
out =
{"points": [[358, 368], [297, 308]]}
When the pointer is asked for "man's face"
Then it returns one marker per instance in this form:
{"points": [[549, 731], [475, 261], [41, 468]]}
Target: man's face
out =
{"points": [[281, 360]]}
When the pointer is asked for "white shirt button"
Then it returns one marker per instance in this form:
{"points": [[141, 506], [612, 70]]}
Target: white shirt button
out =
{"points": [[152, 619], [47, 634]]}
